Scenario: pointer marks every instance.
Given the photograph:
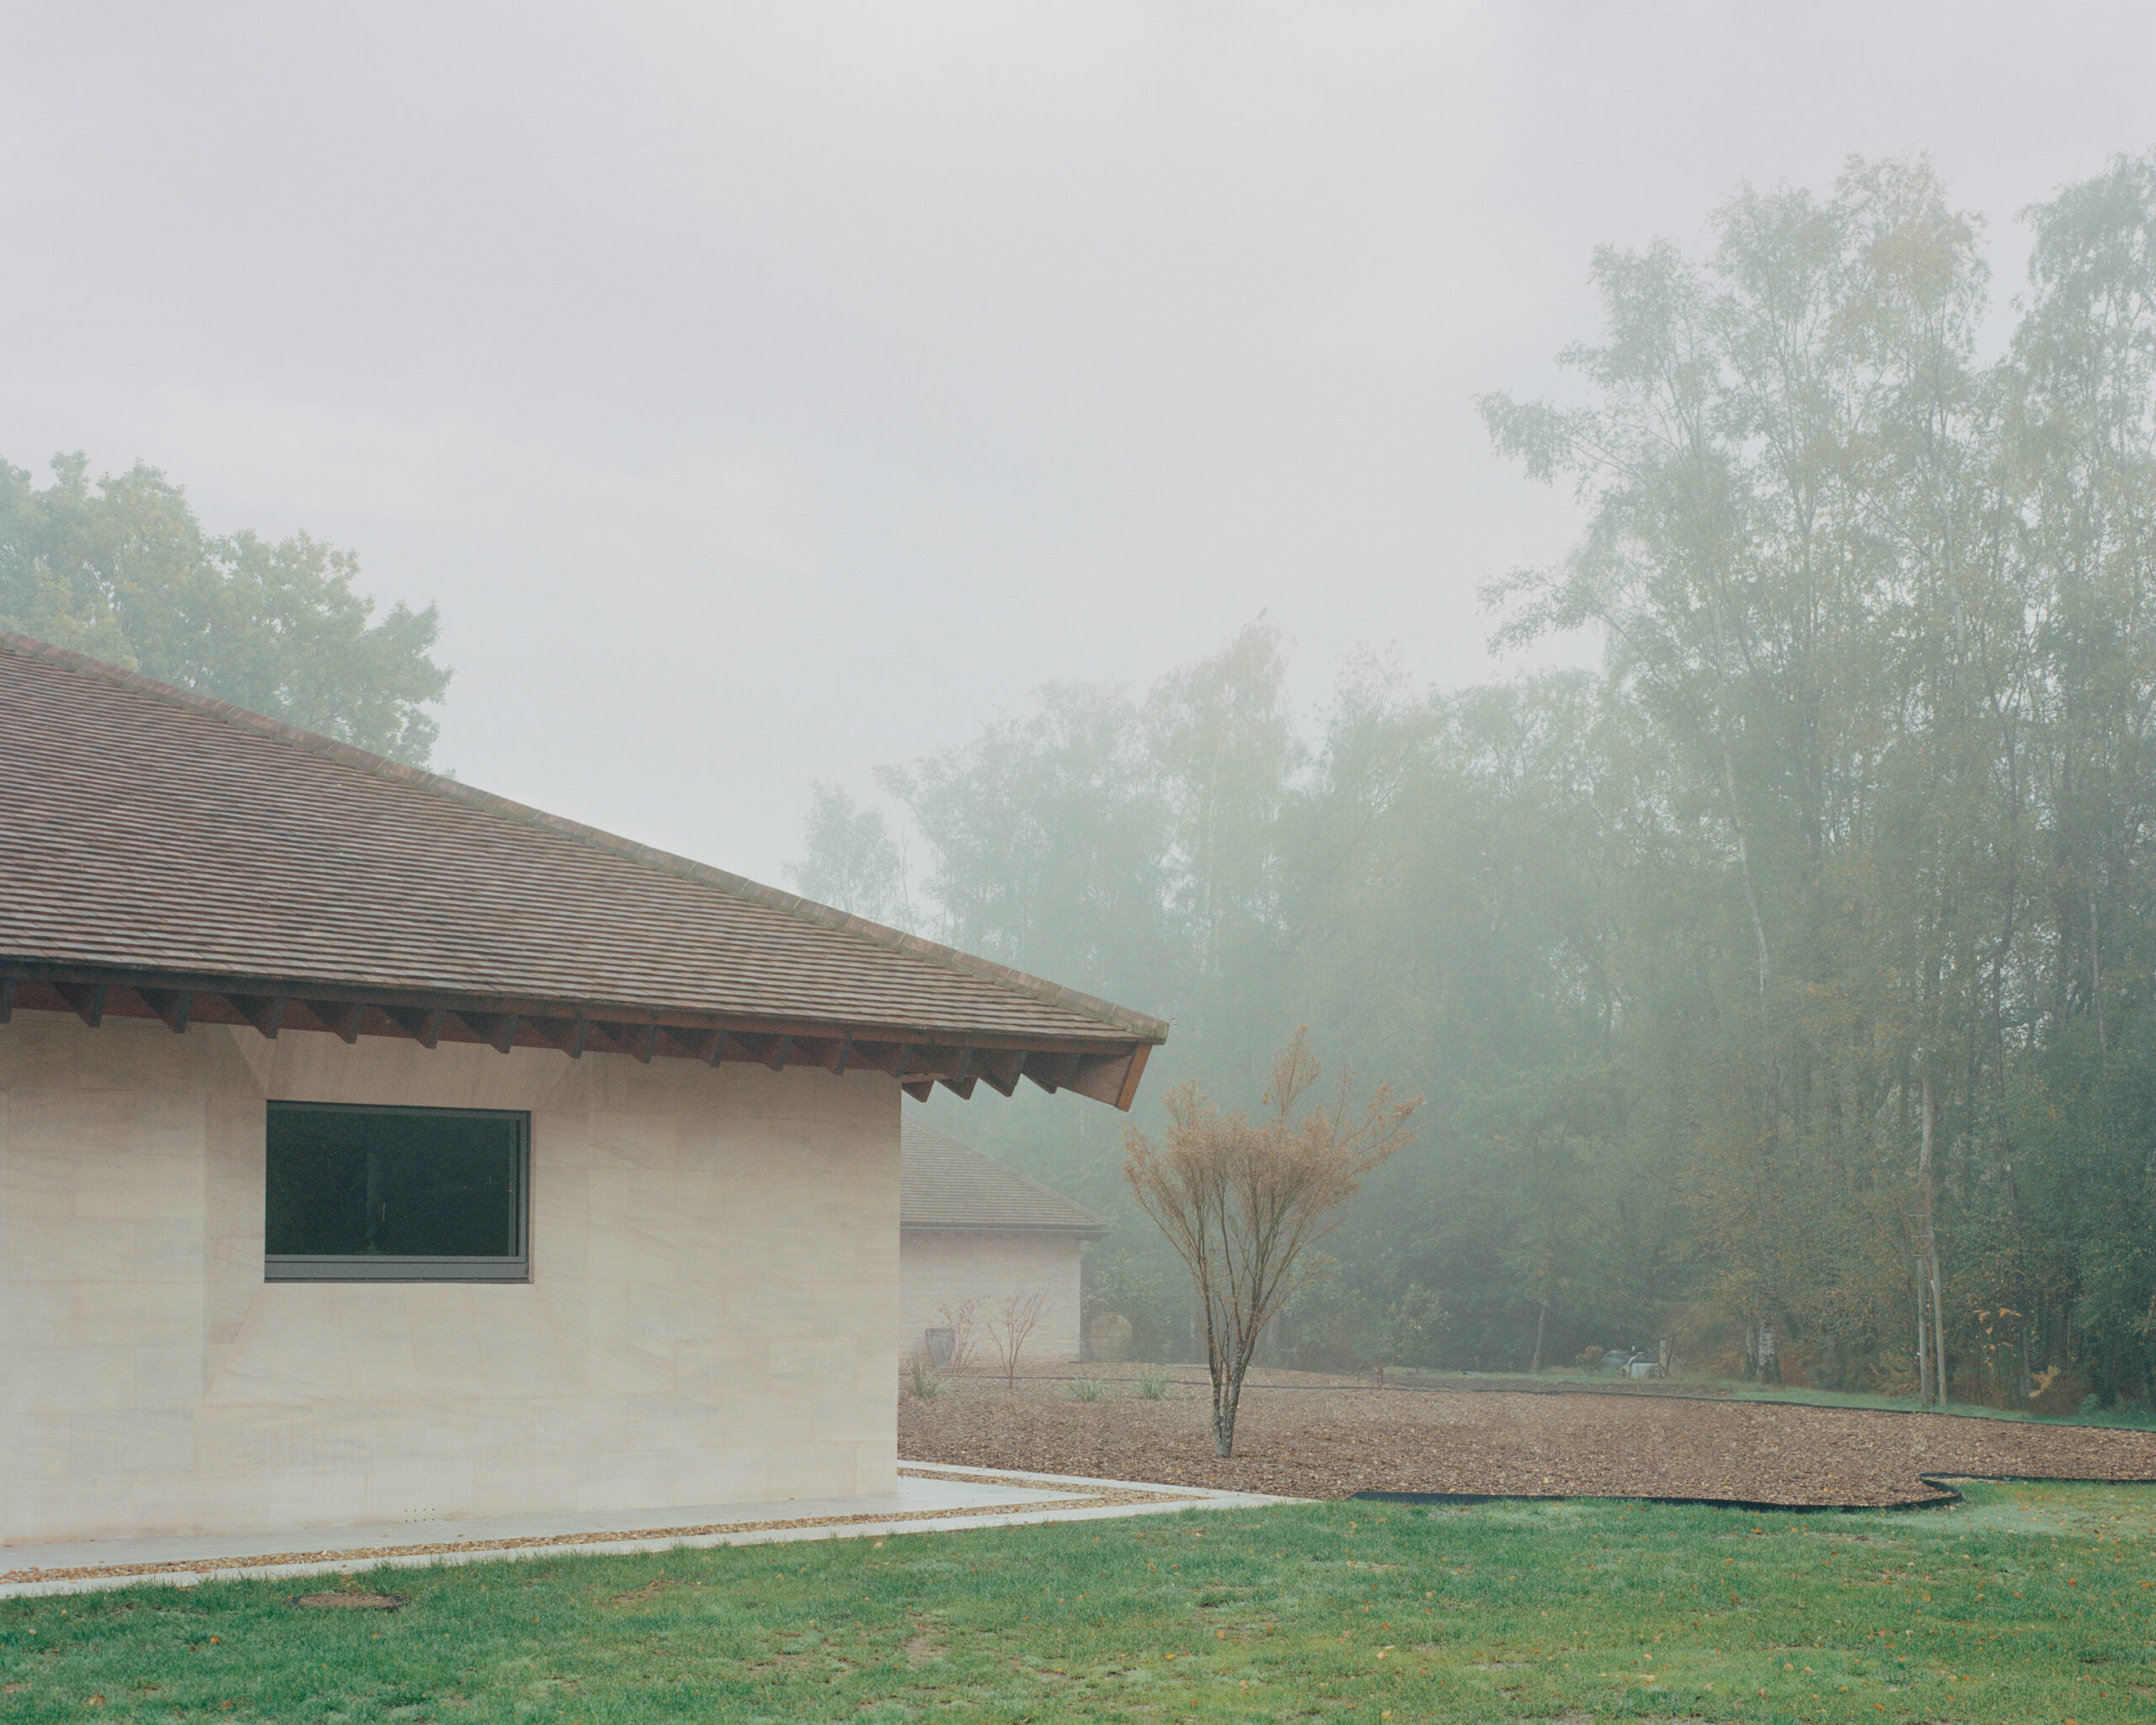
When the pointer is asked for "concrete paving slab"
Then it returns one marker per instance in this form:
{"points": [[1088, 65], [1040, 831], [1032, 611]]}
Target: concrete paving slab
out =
{"points": [[928, 1498]]}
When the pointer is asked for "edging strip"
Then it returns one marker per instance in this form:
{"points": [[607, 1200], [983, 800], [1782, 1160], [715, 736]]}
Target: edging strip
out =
{"points": [[1947, 1496]]}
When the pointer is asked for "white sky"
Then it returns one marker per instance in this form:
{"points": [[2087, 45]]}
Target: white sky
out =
{"points": [[768, 393]]}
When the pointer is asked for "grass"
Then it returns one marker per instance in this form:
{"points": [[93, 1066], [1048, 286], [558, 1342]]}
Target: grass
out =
{"points": [[2025, 1603]]}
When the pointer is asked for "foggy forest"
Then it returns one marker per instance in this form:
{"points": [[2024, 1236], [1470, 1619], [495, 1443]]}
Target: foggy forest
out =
{"points": [[1798, 953]]}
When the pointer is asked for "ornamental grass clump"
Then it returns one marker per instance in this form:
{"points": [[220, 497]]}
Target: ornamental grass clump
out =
{"points": [[1240, 1200]]}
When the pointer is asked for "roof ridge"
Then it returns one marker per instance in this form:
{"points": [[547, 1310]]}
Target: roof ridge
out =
{"points": [[666, 862]]}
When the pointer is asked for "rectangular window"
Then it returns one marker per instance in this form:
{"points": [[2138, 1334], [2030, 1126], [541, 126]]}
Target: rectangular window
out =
{"points": [[396, 1195]]}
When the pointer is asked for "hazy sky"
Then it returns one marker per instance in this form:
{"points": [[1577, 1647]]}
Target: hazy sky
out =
{"points": [[768, 393]]}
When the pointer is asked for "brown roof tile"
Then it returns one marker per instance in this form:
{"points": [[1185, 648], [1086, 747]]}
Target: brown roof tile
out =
{"points": [[943, 1183], [145, 829]]}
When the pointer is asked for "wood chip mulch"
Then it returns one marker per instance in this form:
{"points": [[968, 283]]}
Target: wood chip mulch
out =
{"points": [[1321, 1439]]}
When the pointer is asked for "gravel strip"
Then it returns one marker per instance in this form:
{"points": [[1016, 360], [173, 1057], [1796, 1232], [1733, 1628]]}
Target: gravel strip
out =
{"points": [[1332, 1440]]}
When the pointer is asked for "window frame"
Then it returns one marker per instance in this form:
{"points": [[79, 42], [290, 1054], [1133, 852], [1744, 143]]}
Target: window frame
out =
{"points": [[385, 1267]]}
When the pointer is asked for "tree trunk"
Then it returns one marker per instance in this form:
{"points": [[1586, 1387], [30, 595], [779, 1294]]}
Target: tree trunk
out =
{"points": [[1928, 1240], [1227, 1374], [2096, 973], [1938, 1325], [1223, 1422], [1540, 1318], [1923, 1342]]}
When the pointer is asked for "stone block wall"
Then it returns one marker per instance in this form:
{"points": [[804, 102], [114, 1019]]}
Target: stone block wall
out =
{"points": [[709, 1320], [940, 1268]]}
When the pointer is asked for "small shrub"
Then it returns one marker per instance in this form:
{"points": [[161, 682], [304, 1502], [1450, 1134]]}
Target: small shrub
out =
{"points": [[1416, 1328], [1086, 1390], [925, 1387], [1009, 1325], [1152, 1389], [2059, 1393], [963, 1322]]}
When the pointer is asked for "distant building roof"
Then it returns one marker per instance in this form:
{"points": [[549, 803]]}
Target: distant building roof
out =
{"points": [[943, 1183], [167, 854]]}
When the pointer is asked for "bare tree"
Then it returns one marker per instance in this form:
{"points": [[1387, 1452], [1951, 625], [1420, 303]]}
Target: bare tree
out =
{"points": [[1240, 1200], [962, 1320], [1009, 1326]]}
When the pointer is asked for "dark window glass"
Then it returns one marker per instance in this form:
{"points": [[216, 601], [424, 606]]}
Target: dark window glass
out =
{"points": [[394, 1194]]}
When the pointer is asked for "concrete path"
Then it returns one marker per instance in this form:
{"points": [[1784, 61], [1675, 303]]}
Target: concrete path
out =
{"points": [[930, 1499]]}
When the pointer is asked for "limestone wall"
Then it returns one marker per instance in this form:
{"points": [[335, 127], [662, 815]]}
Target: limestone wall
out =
{"points": [[938, 1269], [714, 1265]]}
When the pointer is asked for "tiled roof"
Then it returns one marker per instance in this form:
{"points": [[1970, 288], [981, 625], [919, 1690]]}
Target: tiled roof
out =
{"points": [[143, 829], [943, 1183]]}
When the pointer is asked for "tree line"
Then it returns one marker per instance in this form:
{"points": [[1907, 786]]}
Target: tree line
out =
{"points": [[122, 570], [1781, 987]]}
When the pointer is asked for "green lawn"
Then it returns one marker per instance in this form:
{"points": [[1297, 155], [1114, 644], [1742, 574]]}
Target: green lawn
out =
{"points": [[2027, 1603]]}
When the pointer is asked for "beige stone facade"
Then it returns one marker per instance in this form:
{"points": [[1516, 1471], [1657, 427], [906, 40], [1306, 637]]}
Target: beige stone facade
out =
{"points": [[714, 1272], [940, 1268]]}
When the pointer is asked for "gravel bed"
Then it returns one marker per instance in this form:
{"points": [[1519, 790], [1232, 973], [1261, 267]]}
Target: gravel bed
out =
{"points": [[1332, 1438]]}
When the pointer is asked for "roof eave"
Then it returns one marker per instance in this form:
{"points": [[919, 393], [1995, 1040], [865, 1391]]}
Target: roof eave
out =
{"points": [[917, 1056]]}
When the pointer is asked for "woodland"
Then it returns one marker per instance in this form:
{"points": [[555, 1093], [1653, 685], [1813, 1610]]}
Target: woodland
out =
{"points": [[1781, 986], [122, 570]]}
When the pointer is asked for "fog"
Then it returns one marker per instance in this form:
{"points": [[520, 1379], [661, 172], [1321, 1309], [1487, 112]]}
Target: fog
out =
{"points": [[765, 394]]}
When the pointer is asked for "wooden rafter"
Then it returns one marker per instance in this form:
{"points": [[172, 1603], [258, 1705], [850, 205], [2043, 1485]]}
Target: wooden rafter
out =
{"points": [[341, 1018], [264, 1011], [691, 1042], [1051, 1071], [85, 999], [423, 1025], [961, 1079], [567, 1034], [771, 1050], [1002, 1068], [883, 1056], [498, 1030], [171, 1005]]}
